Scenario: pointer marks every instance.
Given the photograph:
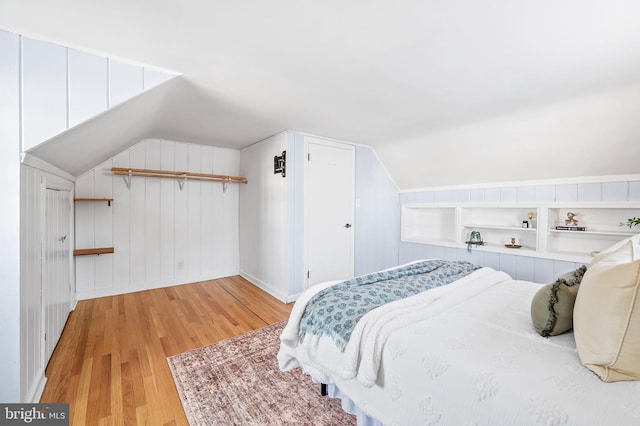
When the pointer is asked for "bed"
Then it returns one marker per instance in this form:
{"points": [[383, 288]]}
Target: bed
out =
{"points": [[464, 353]]}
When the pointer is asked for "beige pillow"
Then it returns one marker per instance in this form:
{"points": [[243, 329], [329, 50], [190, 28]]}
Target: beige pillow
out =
{"points": [[606, 316], [552, 305], [604, 253]]}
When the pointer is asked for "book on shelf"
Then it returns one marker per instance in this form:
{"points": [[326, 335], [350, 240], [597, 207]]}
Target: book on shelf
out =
{"points": [[571, 228]]}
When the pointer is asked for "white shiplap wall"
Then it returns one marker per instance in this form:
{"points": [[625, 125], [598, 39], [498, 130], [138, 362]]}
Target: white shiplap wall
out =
{"points": [[26, 292], [264, 218], [11, 308], [377, 218], [272, 216], [61, 87], [161, 235]]}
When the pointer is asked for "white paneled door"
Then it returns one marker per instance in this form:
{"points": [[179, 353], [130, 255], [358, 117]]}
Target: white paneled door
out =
{"points": [[329, 211], [56, 266]]}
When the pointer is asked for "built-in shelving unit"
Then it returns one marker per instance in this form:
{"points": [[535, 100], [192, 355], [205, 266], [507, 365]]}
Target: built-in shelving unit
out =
{"points": [[451, 225], [437, 224], [498, 226], [602, 225]]}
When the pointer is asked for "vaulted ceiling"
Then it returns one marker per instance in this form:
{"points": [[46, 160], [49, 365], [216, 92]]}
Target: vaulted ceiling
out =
{"points": [[371, 72]]}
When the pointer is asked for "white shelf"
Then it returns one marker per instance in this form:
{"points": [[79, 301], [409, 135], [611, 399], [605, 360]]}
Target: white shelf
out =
{"points": [[506, 228], [612, 233], [502, 249]]}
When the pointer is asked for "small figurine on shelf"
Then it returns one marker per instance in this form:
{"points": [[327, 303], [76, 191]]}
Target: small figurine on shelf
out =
{"points": [[531, 215], [571, 220], [513, 244]]}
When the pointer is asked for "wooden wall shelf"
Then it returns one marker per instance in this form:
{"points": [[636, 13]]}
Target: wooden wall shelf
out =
{"points": [[90, 251], [108, 200]]}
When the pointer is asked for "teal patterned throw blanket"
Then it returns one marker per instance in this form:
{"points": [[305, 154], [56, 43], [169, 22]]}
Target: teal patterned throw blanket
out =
{"points": [[335, 311]]}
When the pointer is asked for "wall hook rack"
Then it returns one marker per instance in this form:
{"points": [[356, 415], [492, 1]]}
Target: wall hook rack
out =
{"points": [[182, 177]]}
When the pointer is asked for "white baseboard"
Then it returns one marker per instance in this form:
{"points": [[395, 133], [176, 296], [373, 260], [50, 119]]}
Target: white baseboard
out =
{"points": [[114, 291], [36, 392], [293, 297], [264, 286], [131, 288]]}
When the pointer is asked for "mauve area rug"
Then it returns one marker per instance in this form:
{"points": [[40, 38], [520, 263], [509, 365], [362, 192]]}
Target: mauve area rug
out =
{"points": [[237, 382]]}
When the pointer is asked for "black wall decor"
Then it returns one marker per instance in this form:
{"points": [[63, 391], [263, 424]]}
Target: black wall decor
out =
{"points": [[280, 164]]}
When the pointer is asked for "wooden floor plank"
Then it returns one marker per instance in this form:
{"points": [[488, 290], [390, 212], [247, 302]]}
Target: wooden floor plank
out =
{"points": [[128, 396], [110, 363]]}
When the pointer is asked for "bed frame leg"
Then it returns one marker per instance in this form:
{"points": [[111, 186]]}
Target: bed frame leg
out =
{"points": [[323, 389]]}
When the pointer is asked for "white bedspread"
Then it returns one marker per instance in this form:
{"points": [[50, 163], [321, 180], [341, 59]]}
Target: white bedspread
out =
{"points": [[361, 357], [462, 354]]}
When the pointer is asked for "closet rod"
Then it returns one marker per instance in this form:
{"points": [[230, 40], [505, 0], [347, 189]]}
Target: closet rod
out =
{"points": [[123, 171]]}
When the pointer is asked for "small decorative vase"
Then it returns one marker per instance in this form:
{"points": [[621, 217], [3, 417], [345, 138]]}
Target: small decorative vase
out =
{"points": [[474, 239]]}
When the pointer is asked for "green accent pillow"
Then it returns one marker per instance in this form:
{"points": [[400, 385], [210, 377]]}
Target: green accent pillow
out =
{"points": [[552, 305]]}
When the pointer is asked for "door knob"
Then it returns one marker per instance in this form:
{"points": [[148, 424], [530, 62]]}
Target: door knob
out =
{"points": [[348, 225]]}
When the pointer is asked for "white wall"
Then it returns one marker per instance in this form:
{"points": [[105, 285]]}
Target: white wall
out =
{"points": [[161, 235], [88, 77], [264, 216], [377, 215], [595, 135], [10, 219], [295, 213], [63, 87], [44, 91], [272, 216]]}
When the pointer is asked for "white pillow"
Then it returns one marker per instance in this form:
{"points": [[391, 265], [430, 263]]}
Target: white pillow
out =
{"points": [[604, 253], [606, 316]]}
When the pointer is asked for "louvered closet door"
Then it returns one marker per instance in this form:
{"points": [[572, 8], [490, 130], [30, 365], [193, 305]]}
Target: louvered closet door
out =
{"points": [[56, 267]]}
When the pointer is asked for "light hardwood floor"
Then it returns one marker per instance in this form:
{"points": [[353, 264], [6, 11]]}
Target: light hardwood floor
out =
{"points": [[110, 363]]}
